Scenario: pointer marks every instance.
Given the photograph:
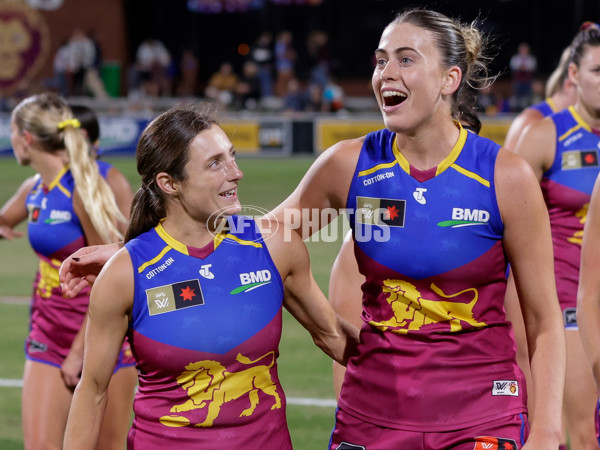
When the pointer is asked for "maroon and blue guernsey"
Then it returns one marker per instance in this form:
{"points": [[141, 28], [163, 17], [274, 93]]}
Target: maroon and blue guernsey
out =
{"points": [[54, 233], [205, 331], [567, 188], [436, 352]]}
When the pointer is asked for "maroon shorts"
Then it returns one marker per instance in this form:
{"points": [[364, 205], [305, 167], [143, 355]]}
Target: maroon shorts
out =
{"points": [[502, 434]]}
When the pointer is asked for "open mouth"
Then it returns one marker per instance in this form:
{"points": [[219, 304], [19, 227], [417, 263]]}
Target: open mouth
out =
{"points": [[393, 98], [228, 194]]}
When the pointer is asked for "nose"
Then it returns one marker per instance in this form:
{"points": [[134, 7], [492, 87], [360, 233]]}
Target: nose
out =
{"points": [[233, 171], [389, 71]]}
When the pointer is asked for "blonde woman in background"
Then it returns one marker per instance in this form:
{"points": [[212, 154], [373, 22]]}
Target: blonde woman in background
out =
{"points": [[71, 202]]}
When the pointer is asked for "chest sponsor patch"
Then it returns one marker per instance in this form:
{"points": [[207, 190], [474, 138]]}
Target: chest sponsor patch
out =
{"points": [[172, 297], [380, 211], [577, 159], [505, 387]]}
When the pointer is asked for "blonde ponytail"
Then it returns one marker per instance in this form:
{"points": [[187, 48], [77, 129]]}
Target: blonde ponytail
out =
{"points": [[51, 121], [97, 196]]}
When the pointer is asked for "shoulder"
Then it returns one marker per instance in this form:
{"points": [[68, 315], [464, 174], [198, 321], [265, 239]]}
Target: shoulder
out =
{"points": [[539, 138], [513, 174], [117, 272], [283, 244]]}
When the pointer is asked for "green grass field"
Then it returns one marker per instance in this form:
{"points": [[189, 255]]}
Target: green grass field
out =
{"points": [[304, 370]]}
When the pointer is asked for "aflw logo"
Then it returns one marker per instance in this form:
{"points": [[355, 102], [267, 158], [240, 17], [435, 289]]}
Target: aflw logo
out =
{"points": [[161, 301], [252, 280], [505, 387]]}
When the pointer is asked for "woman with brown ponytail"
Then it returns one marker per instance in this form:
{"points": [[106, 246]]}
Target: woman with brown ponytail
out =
{"points": [[70, 203]]}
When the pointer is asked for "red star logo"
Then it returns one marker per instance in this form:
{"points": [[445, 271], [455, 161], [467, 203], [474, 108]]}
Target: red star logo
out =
{"points": [[391, 213], [589, 158], [187, 293]]}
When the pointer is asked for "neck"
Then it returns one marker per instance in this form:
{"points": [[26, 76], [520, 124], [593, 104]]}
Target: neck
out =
{"points": [[430, 145], [187, 230], [48, 165], [589, 115], [561, 100]]}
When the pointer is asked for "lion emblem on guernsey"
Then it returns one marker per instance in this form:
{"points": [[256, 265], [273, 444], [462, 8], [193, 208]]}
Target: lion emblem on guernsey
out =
{"points": [[412, 311], [209, 384]]}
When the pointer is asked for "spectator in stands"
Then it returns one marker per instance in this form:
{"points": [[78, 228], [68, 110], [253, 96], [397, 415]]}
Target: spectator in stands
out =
{"points": [[262, 55], [152, 63], [82, 76], [188, 80], [285, 61], [333, 97], [314, 94], [222, 85], [61, 69], [319, 58], [523, 66], [295, 97], [247, 91]]}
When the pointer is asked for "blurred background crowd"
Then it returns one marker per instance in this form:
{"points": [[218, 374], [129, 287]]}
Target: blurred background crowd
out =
{"points": [[257, 55]]}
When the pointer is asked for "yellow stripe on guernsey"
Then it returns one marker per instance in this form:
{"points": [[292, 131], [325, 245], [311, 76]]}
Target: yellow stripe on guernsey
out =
{"points": [[552, 105], [173, 243], [580, 124], [448, 161], [223, 235], [363, 173], [56, 182]]}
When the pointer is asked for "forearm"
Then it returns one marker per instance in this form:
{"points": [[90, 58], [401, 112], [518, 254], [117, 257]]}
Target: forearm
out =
{"points": [[340, 342], [588, 319], [85, 418], [548, 365]]}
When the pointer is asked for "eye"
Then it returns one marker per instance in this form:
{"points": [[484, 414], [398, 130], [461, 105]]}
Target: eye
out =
{"points": [[405, 60], [380, 62], [233, 154], [214, 164]]}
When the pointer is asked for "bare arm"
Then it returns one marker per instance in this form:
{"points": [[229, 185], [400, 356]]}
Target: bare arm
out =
{"points": [[528, 243], [588, 294], [82, 267], [345, 296], [14, 210], [537, 146], [518, 125], [108, 318], [324, 187], [123, 193], [305, 301]]}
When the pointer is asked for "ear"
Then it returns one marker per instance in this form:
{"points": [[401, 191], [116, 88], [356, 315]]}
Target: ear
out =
{"points": [[29, 139], [573, 73], [167, 184], [451, 80]]}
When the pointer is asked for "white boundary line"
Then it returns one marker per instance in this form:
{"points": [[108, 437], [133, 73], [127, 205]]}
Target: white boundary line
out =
{"points": [[321, 402]]}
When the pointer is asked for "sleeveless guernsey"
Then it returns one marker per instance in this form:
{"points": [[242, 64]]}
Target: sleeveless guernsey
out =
{"points": [[205, 330], [436, 353]]}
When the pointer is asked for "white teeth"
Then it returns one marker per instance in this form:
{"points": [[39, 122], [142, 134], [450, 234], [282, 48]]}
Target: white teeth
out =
{"points": [[393, 93], [228, 193]]}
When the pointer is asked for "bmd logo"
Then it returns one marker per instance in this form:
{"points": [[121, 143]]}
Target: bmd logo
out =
{"points": [[462, 217], [252, 280]]}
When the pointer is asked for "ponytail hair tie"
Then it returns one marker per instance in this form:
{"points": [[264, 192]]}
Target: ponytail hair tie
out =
{"points": [[587, 25], [75, 123]]}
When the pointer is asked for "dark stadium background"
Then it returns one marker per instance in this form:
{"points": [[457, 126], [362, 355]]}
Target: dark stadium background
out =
{"points": [[354, 27]]}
